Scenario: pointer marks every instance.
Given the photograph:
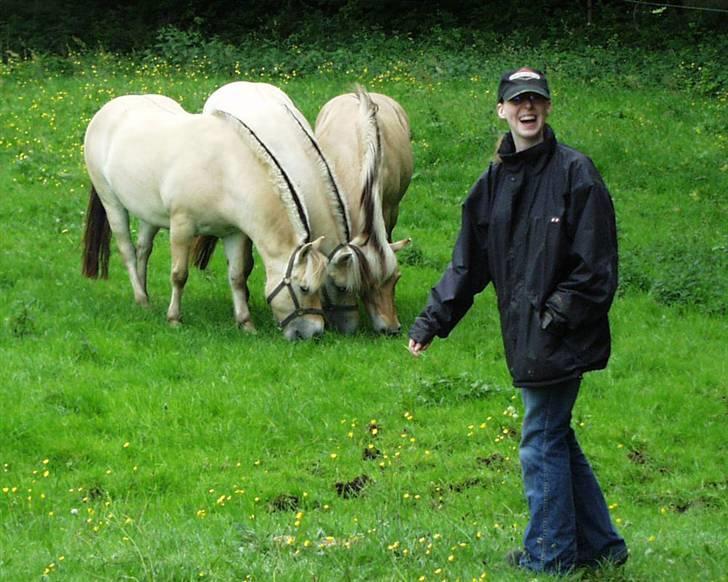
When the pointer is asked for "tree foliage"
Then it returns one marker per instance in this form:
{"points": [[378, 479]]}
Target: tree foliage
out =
{"points": [[61, 26]]}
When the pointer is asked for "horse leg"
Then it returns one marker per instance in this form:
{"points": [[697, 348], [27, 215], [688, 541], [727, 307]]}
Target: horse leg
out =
{"points": [[145, 244], [239, 253], [391, 221], [181, 234], [119, 224]]}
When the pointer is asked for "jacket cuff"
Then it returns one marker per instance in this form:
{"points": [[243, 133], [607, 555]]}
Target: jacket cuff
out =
{"points": [[550, 323], [421, 332]]}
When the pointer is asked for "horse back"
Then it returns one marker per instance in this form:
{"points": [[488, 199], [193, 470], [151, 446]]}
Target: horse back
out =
{"points": [[155, 159], [337, 129]]}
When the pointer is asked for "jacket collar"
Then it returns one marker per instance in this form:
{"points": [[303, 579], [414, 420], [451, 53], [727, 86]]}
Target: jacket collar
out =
{"points": [[534, 158]]}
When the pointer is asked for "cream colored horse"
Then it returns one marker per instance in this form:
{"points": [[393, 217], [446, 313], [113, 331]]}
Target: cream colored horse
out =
{"points": [[198, 174], [366, 138], [273, 116]]}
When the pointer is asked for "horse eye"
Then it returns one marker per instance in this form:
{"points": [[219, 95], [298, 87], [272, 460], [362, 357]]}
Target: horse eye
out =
{"points": [[304, 289], [341, 289]]}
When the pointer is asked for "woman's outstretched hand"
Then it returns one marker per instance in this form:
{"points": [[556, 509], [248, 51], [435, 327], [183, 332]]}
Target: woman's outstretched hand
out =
{"points": [[416, 348]]}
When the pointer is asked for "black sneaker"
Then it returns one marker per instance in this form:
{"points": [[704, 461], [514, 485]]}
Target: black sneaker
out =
{"points": [[513, 558], [613, 561]]}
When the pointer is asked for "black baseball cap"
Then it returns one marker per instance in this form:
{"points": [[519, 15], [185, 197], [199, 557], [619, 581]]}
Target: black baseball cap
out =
{"points": [[524, 80]]}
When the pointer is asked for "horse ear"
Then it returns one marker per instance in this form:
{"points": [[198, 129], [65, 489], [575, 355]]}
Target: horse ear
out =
{"points": [[317, 243], [308, 247], [343, 258], [400, 244]]}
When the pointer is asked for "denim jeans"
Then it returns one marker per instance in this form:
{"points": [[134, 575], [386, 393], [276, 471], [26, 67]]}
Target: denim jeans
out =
{"points": [[569, 520]]}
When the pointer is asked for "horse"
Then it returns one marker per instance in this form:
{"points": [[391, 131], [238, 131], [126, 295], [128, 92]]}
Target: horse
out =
{"points": [[366, 139], [273, 116], [198, 175]]}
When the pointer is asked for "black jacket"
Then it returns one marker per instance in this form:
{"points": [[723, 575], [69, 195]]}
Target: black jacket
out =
{"points": [[540, 225]]}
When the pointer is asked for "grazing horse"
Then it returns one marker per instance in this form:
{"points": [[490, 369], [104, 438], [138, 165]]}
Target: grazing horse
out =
{"points": [[198, 174], [272, 115], [366, 138]]}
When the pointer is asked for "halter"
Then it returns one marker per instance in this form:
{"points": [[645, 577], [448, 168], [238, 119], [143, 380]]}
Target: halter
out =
{"points": [[328, 305], [286, 284]]}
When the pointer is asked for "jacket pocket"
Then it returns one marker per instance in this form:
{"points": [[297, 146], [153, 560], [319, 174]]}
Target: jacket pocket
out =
{"points": [[542, 355]]}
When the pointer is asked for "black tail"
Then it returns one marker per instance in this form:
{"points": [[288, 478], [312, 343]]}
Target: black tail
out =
{"points": [[203, 248], [96, 239]]}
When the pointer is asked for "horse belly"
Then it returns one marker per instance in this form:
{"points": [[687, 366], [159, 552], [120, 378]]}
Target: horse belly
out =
{"points": [[135, 182]]}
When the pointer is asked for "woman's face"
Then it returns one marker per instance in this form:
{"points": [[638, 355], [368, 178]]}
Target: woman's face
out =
{"points": [[526, 116]]}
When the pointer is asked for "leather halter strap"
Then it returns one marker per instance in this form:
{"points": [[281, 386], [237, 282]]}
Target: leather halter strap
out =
{"points": [[286, 284], [328, 305]]}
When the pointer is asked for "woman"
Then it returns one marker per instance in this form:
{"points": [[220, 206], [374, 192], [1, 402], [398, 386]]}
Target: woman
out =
{"points": [[539, 224]]}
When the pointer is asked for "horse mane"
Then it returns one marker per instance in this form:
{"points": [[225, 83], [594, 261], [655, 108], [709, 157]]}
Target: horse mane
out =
{"points": [[360, 275], [371, 196], [315, 270], [339, 202], [287, 192]]}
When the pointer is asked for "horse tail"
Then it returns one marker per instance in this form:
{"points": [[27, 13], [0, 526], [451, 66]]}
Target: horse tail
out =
{"points": [[96, 239], [371, 197], [203, 248]]}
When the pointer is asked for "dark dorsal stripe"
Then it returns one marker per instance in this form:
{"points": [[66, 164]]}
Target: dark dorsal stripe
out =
{"points": [[296, 198], [315, 145], [372, 175]]}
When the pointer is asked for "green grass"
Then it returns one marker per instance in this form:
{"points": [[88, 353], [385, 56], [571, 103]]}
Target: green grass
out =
{"points": [[133, 450]]}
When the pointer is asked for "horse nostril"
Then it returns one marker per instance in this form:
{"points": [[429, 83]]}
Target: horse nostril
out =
{"points": [[293, 335]]}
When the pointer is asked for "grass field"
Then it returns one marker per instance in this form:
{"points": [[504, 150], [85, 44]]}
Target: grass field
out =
{"points": [[132, 450]]}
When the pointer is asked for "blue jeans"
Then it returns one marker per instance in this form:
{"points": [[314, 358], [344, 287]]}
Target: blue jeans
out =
{"points": [[569, 520]]}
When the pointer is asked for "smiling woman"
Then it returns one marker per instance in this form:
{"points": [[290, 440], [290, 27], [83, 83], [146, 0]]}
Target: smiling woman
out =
{"points": [[540, 224], [524, 101]]}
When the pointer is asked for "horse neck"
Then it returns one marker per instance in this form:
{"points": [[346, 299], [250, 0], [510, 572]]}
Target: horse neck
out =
{"points": [[327, 207], [326, 219], [275, 252]]}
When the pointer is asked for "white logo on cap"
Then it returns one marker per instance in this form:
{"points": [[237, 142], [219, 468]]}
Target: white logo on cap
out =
{"points": [[524, 75]]}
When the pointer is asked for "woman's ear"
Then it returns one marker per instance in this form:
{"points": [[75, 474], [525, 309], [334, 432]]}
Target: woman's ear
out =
{"points": [[500, 108]]}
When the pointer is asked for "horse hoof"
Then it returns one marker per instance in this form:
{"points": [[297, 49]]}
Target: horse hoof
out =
{"points": [[248, 327], [175, 322]]}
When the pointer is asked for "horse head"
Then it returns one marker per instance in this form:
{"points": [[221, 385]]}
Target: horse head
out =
{"points": [[378, 275], [295, 299]]}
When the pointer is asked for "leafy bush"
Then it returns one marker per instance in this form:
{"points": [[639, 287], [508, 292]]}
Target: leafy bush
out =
{"points": [[682, 274]]}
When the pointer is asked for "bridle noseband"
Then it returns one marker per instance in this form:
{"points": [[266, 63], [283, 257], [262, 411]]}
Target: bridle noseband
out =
{"points": [[328, 305], [286, 284]]}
